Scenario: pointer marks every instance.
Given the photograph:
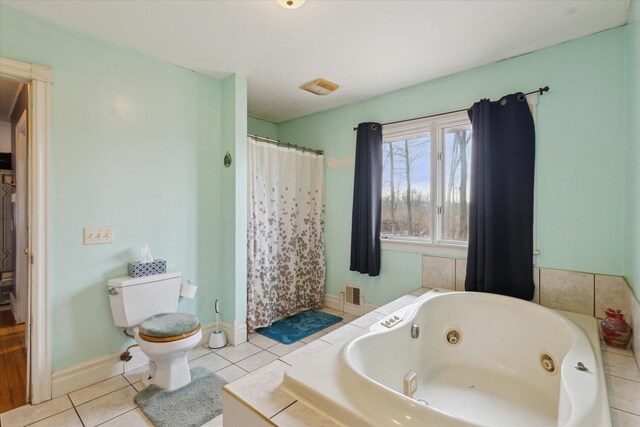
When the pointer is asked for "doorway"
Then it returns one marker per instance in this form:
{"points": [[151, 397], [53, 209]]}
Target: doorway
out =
{"points": [[35, 132], [14, 238]]}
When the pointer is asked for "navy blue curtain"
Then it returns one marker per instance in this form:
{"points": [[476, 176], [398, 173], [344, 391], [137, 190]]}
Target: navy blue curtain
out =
{"points": [[367, 194], [500, 257]]}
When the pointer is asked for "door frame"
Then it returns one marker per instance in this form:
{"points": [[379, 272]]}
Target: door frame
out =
{"points": [[40, 79]]}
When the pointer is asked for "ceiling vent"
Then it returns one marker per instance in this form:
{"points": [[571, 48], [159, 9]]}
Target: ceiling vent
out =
{"points": [[320, 87]]}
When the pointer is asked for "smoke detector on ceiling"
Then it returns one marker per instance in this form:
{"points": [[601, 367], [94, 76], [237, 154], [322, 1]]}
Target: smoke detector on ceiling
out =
{"points": [[290, 4], [320, 87]]}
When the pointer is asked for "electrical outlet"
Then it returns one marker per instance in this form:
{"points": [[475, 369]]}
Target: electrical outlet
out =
{"points": [[98, 235]]}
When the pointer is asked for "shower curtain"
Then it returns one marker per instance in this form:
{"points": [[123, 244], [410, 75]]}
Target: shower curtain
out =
{"points": [[286, 265]]}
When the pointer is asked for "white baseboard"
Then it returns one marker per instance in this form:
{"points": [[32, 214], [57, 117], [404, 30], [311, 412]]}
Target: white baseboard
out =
{"points": [[93, 371], [84, 374], [333, 301], [236, 333]]}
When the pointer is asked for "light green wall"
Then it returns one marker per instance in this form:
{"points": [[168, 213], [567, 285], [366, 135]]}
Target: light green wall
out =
{"points": [[632, 70], [580, 156], [136, 145], [262, 128], [234, 200]]}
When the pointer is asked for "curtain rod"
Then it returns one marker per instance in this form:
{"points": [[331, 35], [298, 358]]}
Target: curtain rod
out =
{"points": [[284, 144], [539, 91]]}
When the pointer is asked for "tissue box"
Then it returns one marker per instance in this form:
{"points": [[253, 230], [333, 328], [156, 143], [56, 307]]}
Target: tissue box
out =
{"points": [[137, 269]]}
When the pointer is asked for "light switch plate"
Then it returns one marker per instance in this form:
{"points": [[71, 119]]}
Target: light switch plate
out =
{"points": [[98, 235]]}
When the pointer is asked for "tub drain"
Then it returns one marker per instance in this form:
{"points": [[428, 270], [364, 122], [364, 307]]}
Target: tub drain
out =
{"points": [[453, 337], [547, 362]]}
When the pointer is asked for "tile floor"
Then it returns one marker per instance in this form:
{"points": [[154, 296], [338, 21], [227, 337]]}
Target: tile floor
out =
{"points": [[110, 402]]}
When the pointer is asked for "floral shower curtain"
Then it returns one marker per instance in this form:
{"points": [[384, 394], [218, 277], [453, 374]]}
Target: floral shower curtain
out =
{"points": [[286, 265]]}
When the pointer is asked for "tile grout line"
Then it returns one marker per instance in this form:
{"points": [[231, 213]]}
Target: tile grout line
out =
{"points": [[627, 412], [126, 412], [106, 394], [78, 414], [623, 378]]}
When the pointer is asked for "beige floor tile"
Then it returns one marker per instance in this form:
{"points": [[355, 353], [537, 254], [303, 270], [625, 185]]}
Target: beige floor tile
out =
{"points": [[331, 311], [348, 317], [91, 392], [262, 341], [339, 335], [68, 418], [138, 386], [30, 414], [299, 415], [257, 360], [107, 407], [239, 352], [198, 351], [313, 337], [368, 319], [623, 419], [623, 394], [216, 422], [137, 374], [261, 389], [231, 373], [282, 349], [135, 418], [212, 362], [620, 366], [333, 327], [305, 353], [624, 351]]}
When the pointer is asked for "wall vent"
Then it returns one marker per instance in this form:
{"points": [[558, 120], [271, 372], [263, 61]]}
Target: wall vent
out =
{"points": [[353, 295]]}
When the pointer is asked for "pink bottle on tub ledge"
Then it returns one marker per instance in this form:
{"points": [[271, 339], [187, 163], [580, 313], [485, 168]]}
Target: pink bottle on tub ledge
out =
{"points": [[615, 331]]}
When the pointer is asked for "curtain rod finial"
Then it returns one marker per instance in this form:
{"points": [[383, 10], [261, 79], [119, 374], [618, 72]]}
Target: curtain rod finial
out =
{"points": [[543, 89]]}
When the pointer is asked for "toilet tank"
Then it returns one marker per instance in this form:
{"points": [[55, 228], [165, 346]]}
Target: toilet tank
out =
{"points": [[133, 299]]}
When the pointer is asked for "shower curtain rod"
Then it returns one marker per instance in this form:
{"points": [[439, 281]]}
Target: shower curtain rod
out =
{"points": [[539, 91], [285, 144]]}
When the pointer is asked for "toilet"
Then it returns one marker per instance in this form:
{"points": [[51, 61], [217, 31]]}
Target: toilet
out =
{"points": [[149, 305]]}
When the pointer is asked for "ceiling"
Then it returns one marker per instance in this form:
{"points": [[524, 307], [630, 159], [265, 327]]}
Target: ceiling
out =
{"points": [[367, 47], [9, 91]]}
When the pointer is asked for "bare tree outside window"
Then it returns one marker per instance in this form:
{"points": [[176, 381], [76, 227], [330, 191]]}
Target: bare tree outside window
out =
{"points": [[457, 156], [406, 195]]}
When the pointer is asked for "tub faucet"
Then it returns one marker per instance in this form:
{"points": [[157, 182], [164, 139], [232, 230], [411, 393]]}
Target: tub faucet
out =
{"points": [[415, 331]]}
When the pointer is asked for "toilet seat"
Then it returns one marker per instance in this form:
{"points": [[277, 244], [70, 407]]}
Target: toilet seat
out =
{"points": [[170, 339], [168, 327]]}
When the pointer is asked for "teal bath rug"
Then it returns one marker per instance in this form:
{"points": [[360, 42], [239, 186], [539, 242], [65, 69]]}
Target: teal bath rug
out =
{"points": [[192, 405], [298, 326]]}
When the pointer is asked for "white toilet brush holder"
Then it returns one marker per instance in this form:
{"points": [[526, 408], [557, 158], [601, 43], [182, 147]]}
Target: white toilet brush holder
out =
{"points": [[218, 338]]}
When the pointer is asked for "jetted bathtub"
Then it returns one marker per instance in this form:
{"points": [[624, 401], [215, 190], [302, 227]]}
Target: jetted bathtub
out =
{"points": [[463, 359]]}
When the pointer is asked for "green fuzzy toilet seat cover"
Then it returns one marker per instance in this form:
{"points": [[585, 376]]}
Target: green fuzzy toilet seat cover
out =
{"points": [[165, 325]]}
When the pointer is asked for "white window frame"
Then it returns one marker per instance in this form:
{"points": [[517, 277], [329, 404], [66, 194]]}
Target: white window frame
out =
{"points": [[437, 246]]}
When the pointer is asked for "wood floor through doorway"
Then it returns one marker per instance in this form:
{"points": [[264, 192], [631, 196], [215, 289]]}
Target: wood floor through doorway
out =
{"points": [[13, 363]]}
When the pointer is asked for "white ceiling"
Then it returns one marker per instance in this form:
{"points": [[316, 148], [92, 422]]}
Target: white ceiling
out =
{"points": [[367, 47]]}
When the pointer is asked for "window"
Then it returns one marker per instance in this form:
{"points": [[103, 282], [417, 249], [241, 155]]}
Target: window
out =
{"points": [[426, 181]]}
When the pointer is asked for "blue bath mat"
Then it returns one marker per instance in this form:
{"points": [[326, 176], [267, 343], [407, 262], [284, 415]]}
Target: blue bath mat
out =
{"points": [[298, 326]]}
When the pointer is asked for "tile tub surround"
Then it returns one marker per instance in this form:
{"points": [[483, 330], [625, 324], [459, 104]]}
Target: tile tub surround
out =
{"points": [[621, 373], [578, 292]]}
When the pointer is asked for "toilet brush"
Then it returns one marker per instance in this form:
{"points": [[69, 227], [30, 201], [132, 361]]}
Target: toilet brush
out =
{"points": [[218, 339]]}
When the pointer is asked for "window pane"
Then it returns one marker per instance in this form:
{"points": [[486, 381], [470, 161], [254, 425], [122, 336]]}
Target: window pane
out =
{"points": [[457, 182], [406, 188]]}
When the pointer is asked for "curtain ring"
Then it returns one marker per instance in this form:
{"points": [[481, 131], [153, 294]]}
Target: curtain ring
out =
{"points": [[521, 97], [374, 127]]}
